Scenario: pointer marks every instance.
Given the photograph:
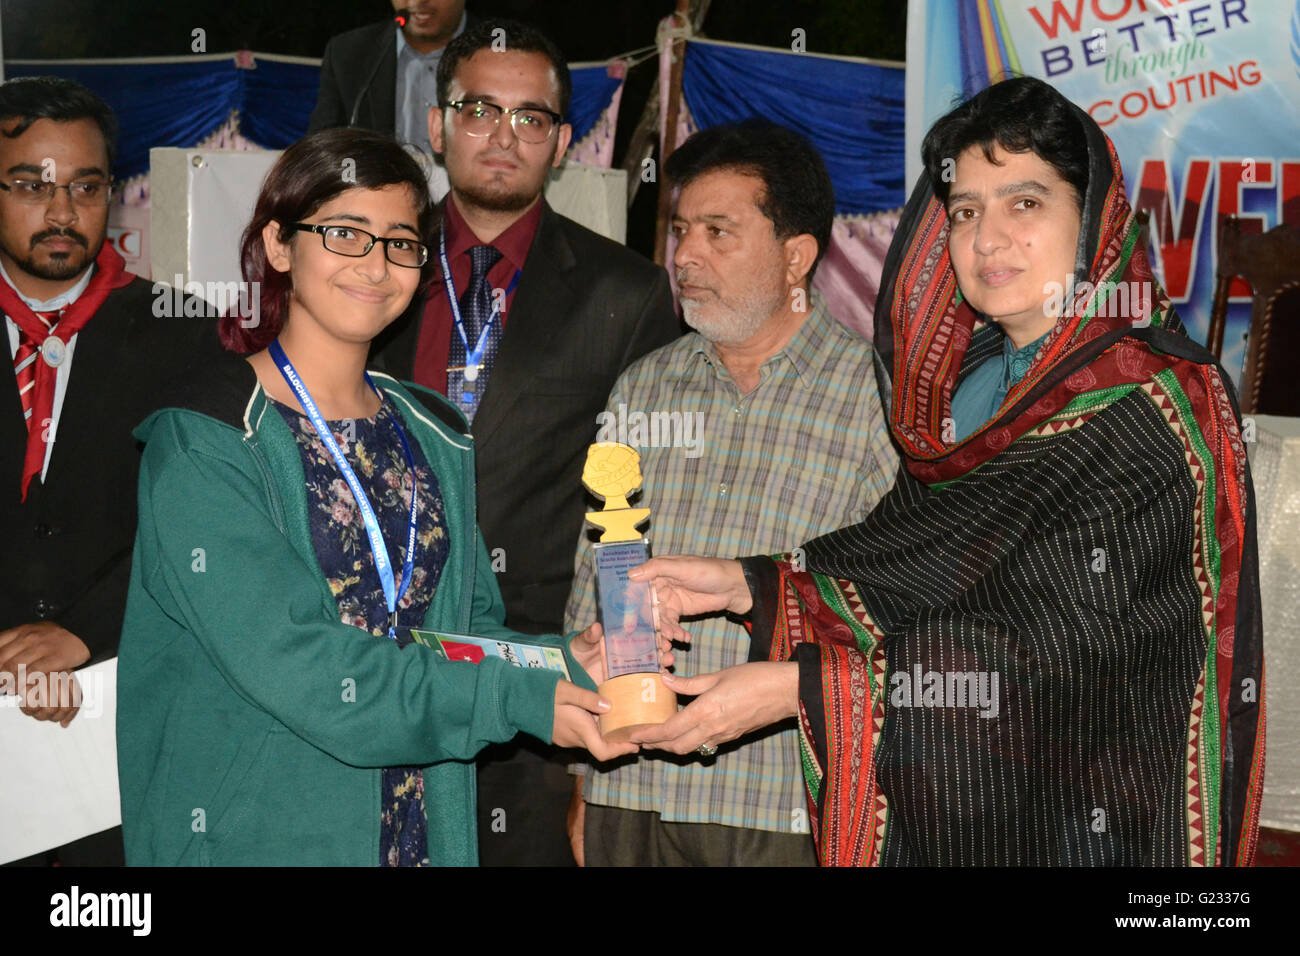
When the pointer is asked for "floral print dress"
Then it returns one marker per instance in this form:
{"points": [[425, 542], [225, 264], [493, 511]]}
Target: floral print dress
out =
{"points": [[342, 547]]}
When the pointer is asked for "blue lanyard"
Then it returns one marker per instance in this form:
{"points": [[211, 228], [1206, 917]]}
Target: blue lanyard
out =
{"points": [[392, 594], [474, 356]]}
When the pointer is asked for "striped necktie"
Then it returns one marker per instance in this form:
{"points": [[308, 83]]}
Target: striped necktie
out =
{"points": [[465, 386], [26, 356]]}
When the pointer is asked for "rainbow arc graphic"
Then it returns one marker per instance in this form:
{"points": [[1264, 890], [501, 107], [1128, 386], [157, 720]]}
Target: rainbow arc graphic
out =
{"points": [[987, 53]]}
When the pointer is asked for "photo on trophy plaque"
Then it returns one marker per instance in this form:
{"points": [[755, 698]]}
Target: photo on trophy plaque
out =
{"points": [[626, 609]]}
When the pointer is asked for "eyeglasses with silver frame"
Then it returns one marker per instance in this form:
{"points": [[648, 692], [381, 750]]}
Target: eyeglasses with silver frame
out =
{"points": [[39, 192], [530, 124]]}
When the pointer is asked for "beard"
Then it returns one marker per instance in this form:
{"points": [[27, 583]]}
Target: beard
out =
{"points": [[494, 192], [737, 321], [57, 266], [497, 200]]}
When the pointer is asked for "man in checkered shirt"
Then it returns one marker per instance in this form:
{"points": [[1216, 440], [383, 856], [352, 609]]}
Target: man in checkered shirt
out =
{"points": [[761, 429]]}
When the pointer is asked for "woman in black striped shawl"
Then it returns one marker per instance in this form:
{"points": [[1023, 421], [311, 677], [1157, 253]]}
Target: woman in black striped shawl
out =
{"points": [[1044, 645]]}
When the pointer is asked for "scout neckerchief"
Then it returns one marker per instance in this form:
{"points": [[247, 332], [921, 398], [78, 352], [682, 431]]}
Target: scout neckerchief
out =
{"points": [[51, 343]]}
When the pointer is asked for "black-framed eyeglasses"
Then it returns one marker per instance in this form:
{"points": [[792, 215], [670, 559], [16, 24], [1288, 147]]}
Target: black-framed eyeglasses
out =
{"points": [[353, 242], [480, 118], [38, 192]]}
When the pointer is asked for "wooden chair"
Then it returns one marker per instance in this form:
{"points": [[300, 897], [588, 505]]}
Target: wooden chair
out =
{"points": [[1270, 383]]}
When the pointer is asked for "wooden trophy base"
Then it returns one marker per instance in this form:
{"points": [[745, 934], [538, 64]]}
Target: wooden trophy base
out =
{"points": [[639, 700]]}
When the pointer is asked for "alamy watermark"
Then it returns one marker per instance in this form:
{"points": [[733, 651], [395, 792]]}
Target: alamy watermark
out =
{"points": [[653, 429], [945, 689], [53, 689], [129, 910], [1117, 300], [194, 299]]}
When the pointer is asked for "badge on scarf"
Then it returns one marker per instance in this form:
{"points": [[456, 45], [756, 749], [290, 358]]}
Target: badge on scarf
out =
{"points": [[53, 351]]}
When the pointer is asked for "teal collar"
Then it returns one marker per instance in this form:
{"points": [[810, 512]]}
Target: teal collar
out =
{"points": [[1017, 360]]}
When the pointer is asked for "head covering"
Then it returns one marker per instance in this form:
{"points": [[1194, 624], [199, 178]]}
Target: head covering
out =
{"points": [[924, 335], [1043, 646]]}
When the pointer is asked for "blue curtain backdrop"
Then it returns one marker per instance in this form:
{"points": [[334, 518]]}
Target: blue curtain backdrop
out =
{"points": [[851, 111], [182, 103], [593, 88]]}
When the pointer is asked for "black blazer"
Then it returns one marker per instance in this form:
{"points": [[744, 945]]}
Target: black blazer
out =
{"points": [[347, 63], [585, 308], [66, 552]]}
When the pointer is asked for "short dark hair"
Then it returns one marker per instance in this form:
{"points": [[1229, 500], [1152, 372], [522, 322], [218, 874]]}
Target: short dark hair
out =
{"points": [[517, 36], [1019, 114], [307, 175], [797, 193], [32, 98]]}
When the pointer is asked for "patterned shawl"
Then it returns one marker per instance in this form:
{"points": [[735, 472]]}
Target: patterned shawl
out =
{"points": [[1044, 645]]}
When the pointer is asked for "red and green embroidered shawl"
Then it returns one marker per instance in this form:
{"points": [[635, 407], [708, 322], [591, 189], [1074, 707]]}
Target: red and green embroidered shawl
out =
{"points": [[1044, 645]]}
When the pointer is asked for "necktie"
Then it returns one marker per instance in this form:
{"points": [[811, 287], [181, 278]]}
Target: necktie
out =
{"points": [[465, 385], [26, 356]]}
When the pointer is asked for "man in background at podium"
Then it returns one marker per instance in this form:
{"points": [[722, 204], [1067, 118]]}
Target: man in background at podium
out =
{"points": [[384, 76], [89, 359], [782, 437], [533, 320]]}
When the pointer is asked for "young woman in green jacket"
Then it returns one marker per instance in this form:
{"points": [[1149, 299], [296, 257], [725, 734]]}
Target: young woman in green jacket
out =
{"points": [[271, 707]]}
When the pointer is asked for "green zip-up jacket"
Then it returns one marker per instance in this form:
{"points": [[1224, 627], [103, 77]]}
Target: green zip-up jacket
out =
{"points": [[252, 724]]}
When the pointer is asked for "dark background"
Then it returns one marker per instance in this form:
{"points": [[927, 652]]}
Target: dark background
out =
{"points": [[585, 30]]}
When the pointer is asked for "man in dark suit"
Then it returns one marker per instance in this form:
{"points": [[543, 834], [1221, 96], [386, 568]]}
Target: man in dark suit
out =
{"points": [[383, 76], [88, 354], [537, 321]]}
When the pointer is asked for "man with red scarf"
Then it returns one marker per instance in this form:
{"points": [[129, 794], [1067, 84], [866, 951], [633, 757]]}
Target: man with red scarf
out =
{"points": [[88, 359]]}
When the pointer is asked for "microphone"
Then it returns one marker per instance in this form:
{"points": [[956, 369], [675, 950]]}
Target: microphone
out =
{"points": [[399, 18]]}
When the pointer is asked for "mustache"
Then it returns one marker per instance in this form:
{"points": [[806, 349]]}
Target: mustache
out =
{"points": [[60, 234], [686, 277]]}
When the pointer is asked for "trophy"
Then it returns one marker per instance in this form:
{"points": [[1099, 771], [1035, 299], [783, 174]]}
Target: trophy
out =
{"points": [[632, 684]]}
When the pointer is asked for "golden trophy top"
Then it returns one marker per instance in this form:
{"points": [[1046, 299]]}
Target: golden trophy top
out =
{"points": [[612, 472]]}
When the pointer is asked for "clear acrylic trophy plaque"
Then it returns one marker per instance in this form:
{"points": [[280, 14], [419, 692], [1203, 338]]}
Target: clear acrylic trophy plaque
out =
{"points": [[626, 607]]}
